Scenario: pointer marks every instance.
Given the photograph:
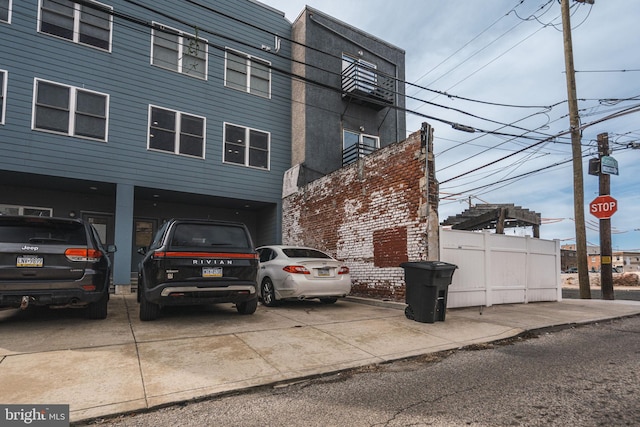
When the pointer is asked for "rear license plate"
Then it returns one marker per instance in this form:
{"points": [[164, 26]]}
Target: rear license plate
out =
{"points": [[29, 261], [211, 271], [324, 272]]}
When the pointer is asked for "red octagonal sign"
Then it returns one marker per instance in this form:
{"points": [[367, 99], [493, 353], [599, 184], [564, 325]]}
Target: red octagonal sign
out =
{"points": [[603, 207]]}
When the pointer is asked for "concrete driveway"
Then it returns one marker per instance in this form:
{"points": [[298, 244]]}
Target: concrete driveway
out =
{"points": [[120, 364]]}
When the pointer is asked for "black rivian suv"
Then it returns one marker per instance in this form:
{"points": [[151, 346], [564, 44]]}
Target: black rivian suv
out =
{"points": [[56, 262], [192, 262]]}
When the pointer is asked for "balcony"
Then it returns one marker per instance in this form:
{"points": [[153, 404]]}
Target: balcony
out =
{"points": [[365, 85], [355, 152]]}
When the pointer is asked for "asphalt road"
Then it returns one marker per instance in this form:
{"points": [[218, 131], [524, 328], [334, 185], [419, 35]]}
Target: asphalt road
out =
{"points": [[586, 376]]}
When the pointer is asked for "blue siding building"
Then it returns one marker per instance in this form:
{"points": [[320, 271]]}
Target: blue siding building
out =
{"points": [[130, 112], [127, 113]]}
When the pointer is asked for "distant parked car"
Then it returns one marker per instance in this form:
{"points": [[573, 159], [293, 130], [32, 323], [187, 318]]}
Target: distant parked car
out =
{"points": [[55, 262], [296, 273], [571, 270], [192, 262]]}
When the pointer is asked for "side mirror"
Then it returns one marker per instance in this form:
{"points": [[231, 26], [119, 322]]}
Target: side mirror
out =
{"points": [[111, 248], [142, 250]]}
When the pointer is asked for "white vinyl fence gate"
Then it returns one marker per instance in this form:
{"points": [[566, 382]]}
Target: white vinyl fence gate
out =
{"points": [[500, 269]]}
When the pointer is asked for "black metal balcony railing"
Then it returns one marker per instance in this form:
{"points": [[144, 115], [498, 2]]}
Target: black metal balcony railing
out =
{"points": [[364, 84], [354, 152]]}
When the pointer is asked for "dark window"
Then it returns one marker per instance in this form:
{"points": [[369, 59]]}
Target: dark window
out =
{"points": [[5, 7], [59, 18], [266, 254], [3, 91], [178, 51], [70, 110], [248, 74], [43, 232], [248, 147], [215, 237], [304, 253], [52, 107], [176, 132], [91, 115]]}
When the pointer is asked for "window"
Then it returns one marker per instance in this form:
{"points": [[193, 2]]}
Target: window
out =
{"points": [[176, 132], [177, 51], [70, 110], [88, 25], [248, 74], [3, 94], [5, 11], [144, 233], [244, 146], [24, 210], [357, 145]]}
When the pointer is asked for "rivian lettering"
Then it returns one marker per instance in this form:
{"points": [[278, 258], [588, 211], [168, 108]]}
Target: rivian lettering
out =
{"points": [[212, 262]]}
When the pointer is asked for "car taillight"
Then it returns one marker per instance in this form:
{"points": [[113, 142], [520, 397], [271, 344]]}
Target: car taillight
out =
{"points": [[83, 254], [296, 269], [343, 270]]}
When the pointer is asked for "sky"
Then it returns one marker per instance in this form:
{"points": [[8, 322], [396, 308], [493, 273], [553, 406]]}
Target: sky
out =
{"points": [[498, 66]]}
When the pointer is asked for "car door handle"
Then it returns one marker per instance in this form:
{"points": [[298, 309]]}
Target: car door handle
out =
{"points": [[262, 268]]}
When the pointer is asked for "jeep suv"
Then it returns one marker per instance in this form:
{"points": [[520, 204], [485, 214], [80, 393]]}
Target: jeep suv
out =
{"points": [[55, 262], [193, 261]]}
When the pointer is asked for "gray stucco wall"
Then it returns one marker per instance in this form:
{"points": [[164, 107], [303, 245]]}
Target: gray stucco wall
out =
{"points": [[319, 145]]}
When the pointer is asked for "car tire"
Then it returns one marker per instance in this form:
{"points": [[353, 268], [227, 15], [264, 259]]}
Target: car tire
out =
{"points": [[98, 310], [328, 300], [148, 310], [268, 293], [247, 307]]}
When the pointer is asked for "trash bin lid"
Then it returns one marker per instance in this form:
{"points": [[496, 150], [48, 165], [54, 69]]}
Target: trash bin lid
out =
{"points": [[429, 265]]}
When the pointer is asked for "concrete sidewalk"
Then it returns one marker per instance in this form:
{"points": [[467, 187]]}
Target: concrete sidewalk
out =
{"points": [[120, 364]]}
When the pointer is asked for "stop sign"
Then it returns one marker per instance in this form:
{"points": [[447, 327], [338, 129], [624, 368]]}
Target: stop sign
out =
{"points": [[603, 206]]}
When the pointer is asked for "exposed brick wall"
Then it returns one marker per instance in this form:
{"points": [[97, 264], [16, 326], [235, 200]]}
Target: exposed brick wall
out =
{"points": [[371, 214]]}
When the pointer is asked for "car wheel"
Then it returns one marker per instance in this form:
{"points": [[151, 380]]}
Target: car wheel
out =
{"points": [[247, 307], [328, 300], [98, 309], [268, 293], [148, 310]]}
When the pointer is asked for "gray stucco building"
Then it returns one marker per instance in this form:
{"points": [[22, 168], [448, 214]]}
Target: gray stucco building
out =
{"points": [[350, 99]]}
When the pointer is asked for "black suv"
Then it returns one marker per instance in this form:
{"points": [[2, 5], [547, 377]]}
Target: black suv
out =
{"points": [[56, 262], [193, 261]]}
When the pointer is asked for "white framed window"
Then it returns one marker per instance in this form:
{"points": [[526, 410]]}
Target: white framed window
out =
{"points": [[178, 51], [351, 138], [247, 73], [3, 95], [25, 210], [247, 147], [69, 110], [87, 25], [176, 132], [5, 11]]}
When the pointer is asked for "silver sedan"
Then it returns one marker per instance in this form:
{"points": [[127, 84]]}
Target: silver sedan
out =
{"points": [[297, 273]]}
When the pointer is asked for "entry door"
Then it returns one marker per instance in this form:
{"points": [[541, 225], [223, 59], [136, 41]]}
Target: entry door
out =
{"points": [[103, 223]]}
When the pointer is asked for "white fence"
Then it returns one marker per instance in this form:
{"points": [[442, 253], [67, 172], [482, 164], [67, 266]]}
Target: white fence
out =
{"points": [[499, 269]]}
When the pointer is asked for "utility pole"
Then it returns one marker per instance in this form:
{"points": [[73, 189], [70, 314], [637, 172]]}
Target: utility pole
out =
{"points": [[576, 149], [606, 253]]}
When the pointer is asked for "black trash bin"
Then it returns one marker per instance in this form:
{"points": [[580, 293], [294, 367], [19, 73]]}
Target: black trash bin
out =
{"points": [[427, 286]]}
